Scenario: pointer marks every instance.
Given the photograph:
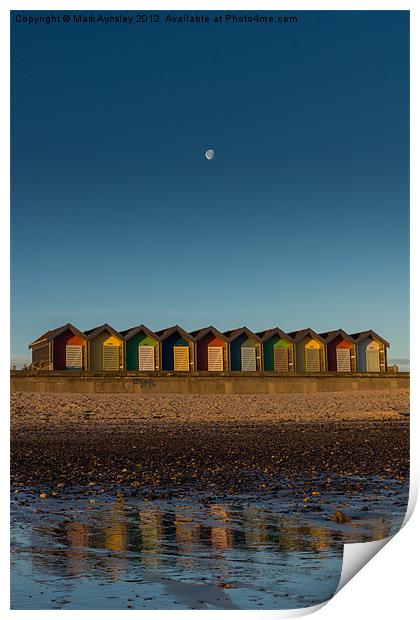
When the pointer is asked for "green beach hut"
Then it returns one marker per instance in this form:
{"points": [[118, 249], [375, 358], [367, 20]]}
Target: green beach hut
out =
{"points": [[278, 350], [142, 349]]}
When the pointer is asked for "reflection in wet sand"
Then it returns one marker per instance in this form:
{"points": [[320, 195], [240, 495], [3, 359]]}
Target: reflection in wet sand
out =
{"points": [[187, 534], [249, 527], [252, 551], [255, 527], [76, 549], [150, 524], [221, 537], [184, 535]]}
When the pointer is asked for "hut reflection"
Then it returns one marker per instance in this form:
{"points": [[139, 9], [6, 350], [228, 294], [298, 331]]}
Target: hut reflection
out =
{"points": [[151, 528], [115, 530], [380, 531], [221, 536], [288, 536], [115, 537], [320, 539], [76, 548], [187, 534], [255, 527], [186, 537]]}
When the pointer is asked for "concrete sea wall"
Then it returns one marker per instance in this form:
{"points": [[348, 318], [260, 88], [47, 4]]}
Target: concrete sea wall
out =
{"points": [[202, 382]]}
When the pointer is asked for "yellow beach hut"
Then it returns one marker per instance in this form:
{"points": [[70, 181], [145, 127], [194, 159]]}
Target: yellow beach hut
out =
{"points": [[105, 349], [310, 351]]}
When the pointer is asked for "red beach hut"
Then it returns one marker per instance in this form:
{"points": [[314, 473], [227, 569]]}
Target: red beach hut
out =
{"points": [[341, 351], [212, 349], [63, 348]]}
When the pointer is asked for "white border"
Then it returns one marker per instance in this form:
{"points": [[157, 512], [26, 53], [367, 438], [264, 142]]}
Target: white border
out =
{"points": [[396, 566]]}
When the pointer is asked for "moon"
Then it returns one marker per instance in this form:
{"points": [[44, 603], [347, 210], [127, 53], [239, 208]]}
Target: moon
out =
{"points": [[209, 154]]}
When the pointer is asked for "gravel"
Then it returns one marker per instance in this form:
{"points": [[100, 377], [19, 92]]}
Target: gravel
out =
{"points": [[223, 442]]}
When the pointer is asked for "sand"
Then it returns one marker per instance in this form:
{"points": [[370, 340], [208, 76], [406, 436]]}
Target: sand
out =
{"points": [[222, 442], [32, 409]]}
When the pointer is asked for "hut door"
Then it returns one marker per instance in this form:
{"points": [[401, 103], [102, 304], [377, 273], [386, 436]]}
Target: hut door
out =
{"points": [[248, 358], [146, 357], [74, 356], [372, 358], [111, 357], [215, 358], [281, 359], [181, 358], [343, 360], [312, 360]]}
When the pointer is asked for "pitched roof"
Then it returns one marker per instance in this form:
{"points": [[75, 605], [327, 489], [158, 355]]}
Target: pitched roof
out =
{"points": [[132, 331], [232, 334], [359, 336], [266, 334], [168, 331], [95, 331], [200, 333], [301, 333], [329, 336], [53, 333]]}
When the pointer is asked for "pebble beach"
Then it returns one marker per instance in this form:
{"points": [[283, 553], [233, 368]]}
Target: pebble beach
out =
{"points": [[223, 442]]}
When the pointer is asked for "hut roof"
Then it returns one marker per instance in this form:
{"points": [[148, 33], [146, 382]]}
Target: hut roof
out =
{"points": [[132, 331], [359, 336], [95, 331], [301, 333], [168, 331], [53, 333], [232, 334], [329, 336], [266, 334], [200, 333]]}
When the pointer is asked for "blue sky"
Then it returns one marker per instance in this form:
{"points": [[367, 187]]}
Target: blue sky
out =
{"points": [[301, 219]]}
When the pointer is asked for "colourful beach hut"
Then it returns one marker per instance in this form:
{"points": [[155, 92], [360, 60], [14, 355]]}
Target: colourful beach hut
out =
{"points": [[371, 351], [177, 347], [245, 350], [63, 348], [211, 349], [142, 350], [278, 350], [105, 348], [341, 351], [310, 351]]}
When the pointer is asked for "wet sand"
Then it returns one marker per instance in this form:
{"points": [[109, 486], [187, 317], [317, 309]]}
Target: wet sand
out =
{"points": [[148, 444], [254, 552]]}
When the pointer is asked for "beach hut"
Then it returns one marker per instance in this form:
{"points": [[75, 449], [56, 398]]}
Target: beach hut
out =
{"points": [[105, 348], [309, 350], [211, 349], [177, 347], [63, 348], [245, 350], [341, 351], [371, 351], [142, 350], [278, 350]]}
